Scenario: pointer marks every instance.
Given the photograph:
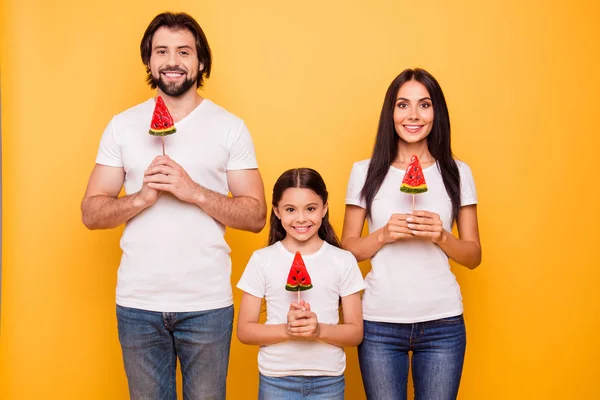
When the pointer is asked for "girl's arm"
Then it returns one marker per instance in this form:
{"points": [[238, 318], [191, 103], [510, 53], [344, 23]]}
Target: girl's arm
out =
{"points": [[350, 332], [464, 250], [364, 248], [250, 331], [347, 334]]}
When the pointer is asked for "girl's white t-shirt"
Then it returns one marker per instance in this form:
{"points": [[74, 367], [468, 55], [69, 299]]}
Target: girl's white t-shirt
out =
{"points": [[334, 273], [410, 280]]}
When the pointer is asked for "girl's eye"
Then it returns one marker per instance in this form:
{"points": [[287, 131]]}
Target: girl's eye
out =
{"points": [[311, 208], [425, 105], [289, 209]]}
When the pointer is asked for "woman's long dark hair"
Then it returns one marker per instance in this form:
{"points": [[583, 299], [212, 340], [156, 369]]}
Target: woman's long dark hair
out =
{"points": [[385, 150], [305, 178]]}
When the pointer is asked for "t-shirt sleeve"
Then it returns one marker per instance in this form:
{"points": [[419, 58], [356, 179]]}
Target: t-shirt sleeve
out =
{"points": [[109, 152], [352, 280], [242, 155], [355, 185], [468, 195], [253, 278]]}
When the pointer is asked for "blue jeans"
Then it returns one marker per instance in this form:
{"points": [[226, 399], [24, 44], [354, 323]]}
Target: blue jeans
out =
{"points": [[438, 352], [301, 387], [152, 341]]}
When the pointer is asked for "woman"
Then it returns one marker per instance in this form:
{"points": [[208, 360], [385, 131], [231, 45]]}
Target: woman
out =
{"points": [[412, 302]]}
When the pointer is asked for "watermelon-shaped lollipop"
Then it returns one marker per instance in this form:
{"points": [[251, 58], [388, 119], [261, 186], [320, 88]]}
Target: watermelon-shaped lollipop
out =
{"points": [[414, 180], [298, 278], [162, 123]]}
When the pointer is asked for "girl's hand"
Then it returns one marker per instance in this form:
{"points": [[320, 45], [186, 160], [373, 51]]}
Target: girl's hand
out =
{"points": [[427, 225], [303, 323], [396, 228]]}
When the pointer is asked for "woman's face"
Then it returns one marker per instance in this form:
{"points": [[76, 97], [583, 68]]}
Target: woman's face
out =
{"points": [[413, 112]]}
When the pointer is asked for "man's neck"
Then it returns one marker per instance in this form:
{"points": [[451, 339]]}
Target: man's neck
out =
{"points": [[181, 106]]}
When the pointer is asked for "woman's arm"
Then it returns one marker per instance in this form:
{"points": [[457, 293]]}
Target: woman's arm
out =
{"points": [[364, 248], [464, 250], [250, 331]]}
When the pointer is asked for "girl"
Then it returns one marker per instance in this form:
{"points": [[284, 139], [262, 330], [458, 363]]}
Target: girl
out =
{"points": [[301, 355], [412, 302]]}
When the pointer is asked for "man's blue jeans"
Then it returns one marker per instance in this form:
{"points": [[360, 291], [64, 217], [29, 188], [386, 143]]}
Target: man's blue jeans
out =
{"points": [[438, 351], [152, 341]]}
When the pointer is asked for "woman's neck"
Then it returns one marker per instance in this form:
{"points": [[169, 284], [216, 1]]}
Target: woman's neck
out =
{"points": [[407, 150]]}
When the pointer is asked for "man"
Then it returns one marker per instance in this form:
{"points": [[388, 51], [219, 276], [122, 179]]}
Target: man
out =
{"points": [[174, 296]]}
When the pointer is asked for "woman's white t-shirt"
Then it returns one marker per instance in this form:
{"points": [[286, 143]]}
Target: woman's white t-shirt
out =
{"points": [[334, 273], [410, 280]]}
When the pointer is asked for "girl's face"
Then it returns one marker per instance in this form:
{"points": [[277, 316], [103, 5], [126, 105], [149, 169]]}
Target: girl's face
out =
{"points": [[301, 212], [413, 113]]}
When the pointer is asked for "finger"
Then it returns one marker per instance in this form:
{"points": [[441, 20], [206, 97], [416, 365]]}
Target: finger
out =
{"points": [[397, 236], [161, 186], [429, 235], [158, 178], [161, 169], [426, 214], [306, 305]]}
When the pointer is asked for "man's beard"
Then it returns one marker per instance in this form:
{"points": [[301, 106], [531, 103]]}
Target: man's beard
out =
{"points": [[173, 89]]}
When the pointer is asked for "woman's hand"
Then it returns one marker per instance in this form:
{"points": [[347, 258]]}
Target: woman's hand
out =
{"points": [[396, 228], [426, 224]]}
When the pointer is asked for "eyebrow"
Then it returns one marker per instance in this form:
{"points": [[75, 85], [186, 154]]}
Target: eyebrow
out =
{"points": [[292, 205], [179, 47], [405, 99]]}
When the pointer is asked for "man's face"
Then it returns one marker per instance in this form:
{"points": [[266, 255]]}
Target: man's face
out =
{"points": [[174, 62]]}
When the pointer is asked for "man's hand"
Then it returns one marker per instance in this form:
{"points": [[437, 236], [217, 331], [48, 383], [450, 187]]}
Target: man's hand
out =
{"points": [[166, 175]]}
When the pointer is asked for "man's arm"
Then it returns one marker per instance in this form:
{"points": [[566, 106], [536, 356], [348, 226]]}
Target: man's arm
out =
{"points": [[245, 210], [101, 208]]}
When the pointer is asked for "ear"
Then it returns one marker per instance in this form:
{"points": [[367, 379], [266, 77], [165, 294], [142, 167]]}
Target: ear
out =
{"points": [[201, 67], [276, 212], [325, 209]]}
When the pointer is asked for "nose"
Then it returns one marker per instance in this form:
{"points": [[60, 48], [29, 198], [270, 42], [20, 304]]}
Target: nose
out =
{"points": [[301, 217], [173, 59], [413, 113]]}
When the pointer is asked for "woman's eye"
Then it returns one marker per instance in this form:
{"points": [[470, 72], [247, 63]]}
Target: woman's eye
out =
{"points": [[425, 105], [402, 105]]}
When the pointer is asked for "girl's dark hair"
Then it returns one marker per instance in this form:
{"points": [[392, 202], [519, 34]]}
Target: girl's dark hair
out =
{"points": [[305, 178], [385, 150], [177, 21]]}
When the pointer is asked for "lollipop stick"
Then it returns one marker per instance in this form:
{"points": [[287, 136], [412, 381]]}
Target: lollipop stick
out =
{"points": [[298, 297], [163, 144], [413, 196]]}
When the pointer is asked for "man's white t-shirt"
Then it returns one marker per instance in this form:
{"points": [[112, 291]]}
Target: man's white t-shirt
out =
{"points": [[410, 279], [175, 258], [334, 273]]}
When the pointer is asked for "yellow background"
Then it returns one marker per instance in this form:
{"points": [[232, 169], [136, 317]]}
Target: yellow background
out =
{"points": [[521, 80]]}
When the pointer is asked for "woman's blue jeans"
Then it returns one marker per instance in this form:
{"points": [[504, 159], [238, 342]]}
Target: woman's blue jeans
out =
{"points": [[438, 351]]}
